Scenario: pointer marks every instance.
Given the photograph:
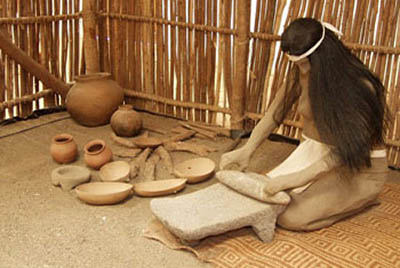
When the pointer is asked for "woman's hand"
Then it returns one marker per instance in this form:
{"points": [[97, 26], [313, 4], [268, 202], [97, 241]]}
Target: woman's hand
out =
{"points": [[241, 157]]}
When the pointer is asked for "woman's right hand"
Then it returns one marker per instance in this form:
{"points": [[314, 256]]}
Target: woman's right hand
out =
{"points": [[240, 157]]}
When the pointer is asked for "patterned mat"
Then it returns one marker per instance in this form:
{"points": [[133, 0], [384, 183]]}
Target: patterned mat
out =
{"points": [[369, 239]]}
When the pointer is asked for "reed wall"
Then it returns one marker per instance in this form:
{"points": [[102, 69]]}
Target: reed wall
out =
{"points": [[215, 61]]}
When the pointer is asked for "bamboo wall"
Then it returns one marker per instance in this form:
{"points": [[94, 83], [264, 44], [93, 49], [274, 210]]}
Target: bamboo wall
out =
{"points": [[191, 59], [48, 31]]}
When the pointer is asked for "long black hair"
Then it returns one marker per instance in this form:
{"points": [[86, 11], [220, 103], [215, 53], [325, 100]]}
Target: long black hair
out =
{"points": [[347, 99]]}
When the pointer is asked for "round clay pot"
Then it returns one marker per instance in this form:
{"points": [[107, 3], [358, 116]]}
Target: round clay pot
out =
{"points": [[125, 121], [97, 154], [63, 148], [93, 99]]}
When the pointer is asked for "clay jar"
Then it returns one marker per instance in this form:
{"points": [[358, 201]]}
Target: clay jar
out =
{"points": [[93, 99], [125, 121], [97, 154], [63, 148]]}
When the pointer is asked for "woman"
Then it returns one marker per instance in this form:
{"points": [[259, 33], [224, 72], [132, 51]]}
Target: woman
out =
{"points": [[339, 167]]}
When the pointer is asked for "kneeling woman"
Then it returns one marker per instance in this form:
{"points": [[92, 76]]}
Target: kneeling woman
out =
{"points": [[340, 166]]}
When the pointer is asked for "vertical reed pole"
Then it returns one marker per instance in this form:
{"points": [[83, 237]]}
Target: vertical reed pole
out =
{"points": [[240, 67], [89, 36]]}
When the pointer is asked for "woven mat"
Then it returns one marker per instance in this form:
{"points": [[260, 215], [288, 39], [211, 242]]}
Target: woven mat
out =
{"points": [[369, 239]]}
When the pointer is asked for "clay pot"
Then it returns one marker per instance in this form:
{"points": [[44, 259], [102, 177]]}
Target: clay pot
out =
{"points": [[125, 121], [63, 148], [93, 99], [97, 154]]}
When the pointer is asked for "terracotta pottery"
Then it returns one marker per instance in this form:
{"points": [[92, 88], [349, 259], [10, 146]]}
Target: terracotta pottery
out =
{"points": [[158, 188], [93, 99], [69, 176], [195, 170], [147, 142], [115, 171], [125, 121], [97, 153], [63, 148], [103, 193]]}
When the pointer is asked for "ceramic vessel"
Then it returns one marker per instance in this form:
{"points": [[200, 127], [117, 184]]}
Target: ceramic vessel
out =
{"points": [[147, 142], [103, 193], [159, 188], [115, 171], [125, 121], [93, 99], [63, 148], [69, 176], [97, 153], [195, 170]]}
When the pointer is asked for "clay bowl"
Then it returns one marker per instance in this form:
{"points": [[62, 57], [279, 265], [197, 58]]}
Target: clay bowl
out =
{"points": [[103, 193], [69, 176], [147, 142], [115, 171], [158, 188], [195, 170]]}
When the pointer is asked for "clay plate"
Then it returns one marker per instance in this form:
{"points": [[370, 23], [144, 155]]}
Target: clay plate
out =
{"points": [[158, 188], [103, 193], [115, 171], [147, 142], [195, 170]]}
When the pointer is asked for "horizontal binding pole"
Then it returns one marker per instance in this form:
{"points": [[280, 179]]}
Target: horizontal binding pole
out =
{"points": [[25, 99], [152, 97], [40, 19], [191, 26]]}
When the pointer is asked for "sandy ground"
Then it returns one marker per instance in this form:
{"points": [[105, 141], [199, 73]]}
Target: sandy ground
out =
{"points": [[44, 226]]}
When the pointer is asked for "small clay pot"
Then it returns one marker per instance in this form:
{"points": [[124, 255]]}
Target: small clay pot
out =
{"points": [[97, 153], [63, 148], [125, 121]]}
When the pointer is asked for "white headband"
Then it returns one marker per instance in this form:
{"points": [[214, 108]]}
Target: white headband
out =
{"points": [[313, 48]]}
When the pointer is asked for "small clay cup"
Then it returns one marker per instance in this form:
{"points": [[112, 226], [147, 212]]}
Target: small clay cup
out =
{"points": [[63, 148], [97, 153]]}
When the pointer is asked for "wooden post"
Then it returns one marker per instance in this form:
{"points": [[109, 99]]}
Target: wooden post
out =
{"points": [[33, 67], [90, 37], [240, 67]]}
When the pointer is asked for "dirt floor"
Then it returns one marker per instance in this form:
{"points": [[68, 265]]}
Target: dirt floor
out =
{"points": [[43, 226]]}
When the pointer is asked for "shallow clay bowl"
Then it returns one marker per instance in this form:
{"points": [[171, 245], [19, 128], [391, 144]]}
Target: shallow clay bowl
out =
{"points": [[158, 188], [115, 171], [195, 170], [103, 193], [147, 142]]}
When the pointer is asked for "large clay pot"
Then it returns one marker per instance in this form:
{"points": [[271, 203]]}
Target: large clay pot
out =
{"points": [[125, 121], [97, 153], [93, 99], [63, 148]]}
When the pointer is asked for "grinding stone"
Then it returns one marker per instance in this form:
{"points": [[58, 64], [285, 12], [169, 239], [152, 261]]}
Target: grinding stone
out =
{"points": [[214, 210]]}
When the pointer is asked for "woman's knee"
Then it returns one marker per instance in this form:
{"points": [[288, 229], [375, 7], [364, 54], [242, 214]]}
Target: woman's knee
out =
{"points": [[293, 221]]}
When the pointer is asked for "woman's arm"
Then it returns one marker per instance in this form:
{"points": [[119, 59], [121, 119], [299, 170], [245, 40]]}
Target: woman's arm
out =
{"points": [[300, 178], [263, 129]]}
